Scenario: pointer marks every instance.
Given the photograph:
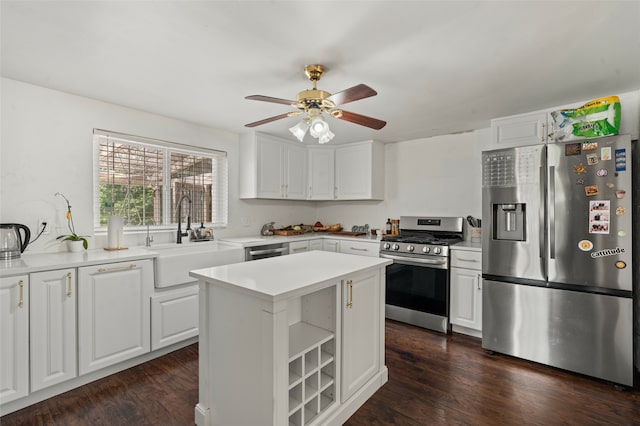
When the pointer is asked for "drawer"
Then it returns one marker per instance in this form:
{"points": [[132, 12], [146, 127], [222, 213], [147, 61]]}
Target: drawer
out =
{"points": [[466, 259], [360, 248]]}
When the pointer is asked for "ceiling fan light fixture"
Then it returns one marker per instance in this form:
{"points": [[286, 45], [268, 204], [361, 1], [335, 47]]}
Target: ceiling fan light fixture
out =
{"points": [[300, 129], [318, 127], [328, 135]]}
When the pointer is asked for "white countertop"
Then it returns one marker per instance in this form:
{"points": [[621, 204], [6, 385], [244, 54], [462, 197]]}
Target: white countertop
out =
{"points": [[467, 245], [252, 241], [280, 278], [37, 262]]}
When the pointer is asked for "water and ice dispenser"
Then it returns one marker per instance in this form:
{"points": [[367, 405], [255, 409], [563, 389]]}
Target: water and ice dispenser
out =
{"points": [[509, 221]]}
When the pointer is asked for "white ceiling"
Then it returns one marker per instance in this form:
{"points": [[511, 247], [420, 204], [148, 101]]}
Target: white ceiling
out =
{"points": [[439, 67]]}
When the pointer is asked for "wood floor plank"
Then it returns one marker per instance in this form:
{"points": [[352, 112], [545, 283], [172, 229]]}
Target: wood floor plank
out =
{"points": [[434, 379]]}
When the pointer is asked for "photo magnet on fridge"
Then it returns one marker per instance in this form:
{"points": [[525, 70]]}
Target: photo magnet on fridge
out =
{"points": [[592, 159], [573, 149], [605, 153], [621, 159], [591, 190]]}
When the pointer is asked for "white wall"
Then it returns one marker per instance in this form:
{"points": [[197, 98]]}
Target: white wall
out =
{"points": [[438, 176], [46, 147]]}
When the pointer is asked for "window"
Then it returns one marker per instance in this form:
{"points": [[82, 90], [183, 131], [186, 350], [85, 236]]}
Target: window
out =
{"points": [[143, 179]]}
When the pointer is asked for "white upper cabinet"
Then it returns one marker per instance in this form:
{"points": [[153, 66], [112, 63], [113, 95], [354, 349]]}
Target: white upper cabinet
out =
{"points": [[272, 168], [321, 172], [520, 130], [359, 171]]}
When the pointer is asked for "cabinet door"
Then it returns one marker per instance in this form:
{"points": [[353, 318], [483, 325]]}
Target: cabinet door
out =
{"points": [[466, 298], [321, 173], [519, 130], [270, 169], [53, 327], [316, 244], [361, 326], [295, 163], [14, 338], [298, 246], [353, 172], [113, 313], [331, 245], [174, 317]]}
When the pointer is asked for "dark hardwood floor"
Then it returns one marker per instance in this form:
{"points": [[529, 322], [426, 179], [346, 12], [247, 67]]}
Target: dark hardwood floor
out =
{"points": [[433, 380]]}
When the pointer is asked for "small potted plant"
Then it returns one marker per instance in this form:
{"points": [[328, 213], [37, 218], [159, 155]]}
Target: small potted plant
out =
{"points": [[73, 238]]}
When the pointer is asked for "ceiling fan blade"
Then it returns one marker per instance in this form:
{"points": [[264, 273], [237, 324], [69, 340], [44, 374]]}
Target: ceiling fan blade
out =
{"points": [[270, 99], [268, 120], [362, 120], [351, 94]]}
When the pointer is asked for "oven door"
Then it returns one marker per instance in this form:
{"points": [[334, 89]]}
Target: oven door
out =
{"points": [[418, 294]]}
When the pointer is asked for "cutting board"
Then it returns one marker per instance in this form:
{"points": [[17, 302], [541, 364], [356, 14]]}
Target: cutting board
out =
{"points": [[287, 233], [348, 234]]}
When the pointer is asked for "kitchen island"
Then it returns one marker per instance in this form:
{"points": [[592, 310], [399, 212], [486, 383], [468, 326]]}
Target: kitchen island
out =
{"points": [[295, 339]]}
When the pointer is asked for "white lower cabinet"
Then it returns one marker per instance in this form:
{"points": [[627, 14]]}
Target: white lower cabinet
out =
{"points": [[466, 292], [53, 327], [316, 244], [174, 316], [331, 245], [361, 331], [113, 313], [362, 248], [298, 246], [14, 338]]}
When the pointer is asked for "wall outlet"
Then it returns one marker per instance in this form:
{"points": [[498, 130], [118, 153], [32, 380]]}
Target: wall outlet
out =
{"points": [[42, 221], [245, 220]]}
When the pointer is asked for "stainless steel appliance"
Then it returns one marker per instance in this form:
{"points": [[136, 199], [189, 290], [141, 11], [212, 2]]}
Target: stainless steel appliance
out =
{"points": [[14, 239], [417, 283], [557, 255], [265, 251]]}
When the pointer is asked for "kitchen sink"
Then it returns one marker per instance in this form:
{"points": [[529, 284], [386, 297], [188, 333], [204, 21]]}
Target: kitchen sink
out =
{"points": [[174, 261]]}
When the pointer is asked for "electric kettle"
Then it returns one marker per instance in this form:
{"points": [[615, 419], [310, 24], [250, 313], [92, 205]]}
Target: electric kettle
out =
{"points": [[12, 241]]}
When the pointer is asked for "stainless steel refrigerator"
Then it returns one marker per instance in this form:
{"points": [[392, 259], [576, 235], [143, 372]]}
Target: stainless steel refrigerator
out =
{"points": [[557, 255]]}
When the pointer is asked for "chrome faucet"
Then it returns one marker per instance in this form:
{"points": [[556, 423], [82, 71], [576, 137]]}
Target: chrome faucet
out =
{"points": [[149, 238], [180, 233]]}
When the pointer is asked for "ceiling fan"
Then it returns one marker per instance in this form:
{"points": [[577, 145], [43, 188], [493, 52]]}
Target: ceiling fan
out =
{"points": [[314, 102]]}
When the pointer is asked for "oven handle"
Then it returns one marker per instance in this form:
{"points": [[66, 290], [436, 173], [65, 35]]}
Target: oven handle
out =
{"points": [[442, 263], [269, 251]]}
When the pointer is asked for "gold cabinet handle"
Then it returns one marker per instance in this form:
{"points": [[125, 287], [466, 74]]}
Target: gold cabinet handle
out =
{"points": [[69, 284], [350, 302], [117, 268], [21, 302]]}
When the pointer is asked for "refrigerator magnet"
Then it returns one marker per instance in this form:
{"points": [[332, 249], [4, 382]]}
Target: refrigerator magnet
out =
{"points": [[622, 233], [588, 146], [605, 153], [620, 193], [621, 159], [620, 211], [579, 169], [573, 149], [620, 264], [592, 159], [591, 190], [602, 173], [585, 245], [609, 185], [579, 181]]}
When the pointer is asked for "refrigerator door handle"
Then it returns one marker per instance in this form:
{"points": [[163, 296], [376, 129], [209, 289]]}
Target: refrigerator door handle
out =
{"points": [[552, 212], [542, 224]]}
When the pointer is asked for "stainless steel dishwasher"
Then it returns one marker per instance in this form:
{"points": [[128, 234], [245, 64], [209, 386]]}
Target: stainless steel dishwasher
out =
{"points": [[265, 251]]}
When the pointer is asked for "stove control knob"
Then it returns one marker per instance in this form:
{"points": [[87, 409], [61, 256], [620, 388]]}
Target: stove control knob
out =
{"points": [[426, 249], [437, 250], [396, 247], [410, 247], [386, 246]]}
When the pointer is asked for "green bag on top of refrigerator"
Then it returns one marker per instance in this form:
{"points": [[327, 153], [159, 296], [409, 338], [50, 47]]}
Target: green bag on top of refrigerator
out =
{"points": [[599, 117]]}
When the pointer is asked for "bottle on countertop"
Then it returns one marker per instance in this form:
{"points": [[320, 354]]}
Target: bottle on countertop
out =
{"points": [[388, 227], [395, 226]]}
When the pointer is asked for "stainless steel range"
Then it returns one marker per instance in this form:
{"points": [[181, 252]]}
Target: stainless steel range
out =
{"points": [[418, 280]]}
